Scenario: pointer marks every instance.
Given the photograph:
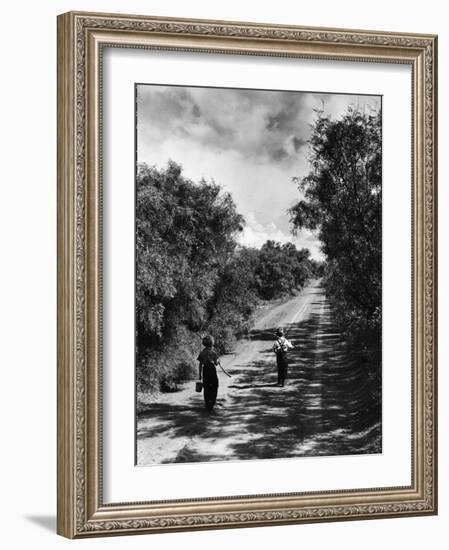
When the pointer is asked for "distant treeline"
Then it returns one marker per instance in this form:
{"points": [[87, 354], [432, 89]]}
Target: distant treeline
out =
{"points": [[193, 278]]}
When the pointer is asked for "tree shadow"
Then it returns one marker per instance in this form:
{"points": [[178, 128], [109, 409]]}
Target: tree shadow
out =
{"points": [[329, 406]]}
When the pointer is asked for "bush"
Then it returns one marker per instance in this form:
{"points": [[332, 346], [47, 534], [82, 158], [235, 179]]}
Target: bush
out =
{"points": [[164, 368]]}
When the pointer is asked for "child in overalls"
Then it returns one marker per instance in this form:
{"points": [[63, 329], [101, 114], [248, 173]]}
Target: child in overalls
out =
{"points": [[280, 348]]}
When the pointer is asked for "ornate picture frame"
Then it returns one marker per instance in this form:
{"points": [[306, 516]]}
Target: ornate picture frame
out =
{"points": [[82, 38]]}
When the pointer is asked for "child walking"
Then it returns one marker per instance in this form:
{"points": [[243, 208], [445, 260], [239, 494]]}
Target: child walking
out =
{"points": [[280, 348], [207, 372]]}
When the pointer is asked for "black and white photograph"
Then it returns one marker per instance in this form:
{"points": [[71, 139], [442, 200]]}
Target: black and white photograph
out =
{"points": [[258, 274]]}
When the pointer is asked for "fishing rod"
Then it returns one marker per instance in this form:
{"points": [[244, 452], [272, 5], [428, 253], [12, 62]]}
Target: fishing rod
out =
{"points": [[226, 372]]}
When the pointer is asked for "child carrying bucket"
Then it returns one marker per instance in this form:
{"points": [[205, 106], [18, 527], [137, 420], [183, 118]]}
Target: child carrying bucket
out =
{"points": [[207, 372]]}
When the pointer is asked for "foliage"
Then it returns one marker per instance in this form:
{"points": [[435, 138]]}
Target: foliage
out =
{"points": [[235, 299], [342, 199], [280, 269], [184, 237], [162, 367]]}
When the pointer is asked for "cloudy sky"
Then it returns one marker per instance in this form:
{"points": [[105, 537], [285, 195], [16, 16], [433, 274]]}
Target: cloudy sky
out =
{"points": [[251, 142]]}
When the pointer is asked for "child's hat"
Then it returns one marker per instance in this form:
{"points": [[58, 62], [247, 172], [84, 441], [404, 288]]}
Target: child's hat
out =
{"points": [[208, 341]]}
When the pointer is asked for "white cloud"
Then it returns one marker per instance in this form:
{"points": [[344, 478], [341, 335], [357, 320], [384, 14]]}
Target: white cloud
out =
{"points": [[255, 234], [252, 143]]}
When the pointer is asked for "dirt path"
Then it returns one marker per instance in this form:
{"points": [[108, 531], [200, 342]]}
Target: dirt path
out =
{"points": [[324, 408]]}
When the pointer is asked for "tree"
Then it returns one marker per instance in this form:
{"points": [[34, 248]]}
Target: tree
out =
{"points": [[342, 199], [235, 298], [185, 234], [281, 269]]}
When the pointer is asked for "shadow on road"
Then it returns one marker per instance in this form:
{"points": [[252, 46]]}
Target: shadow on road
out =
{"points": [[328, 407]]}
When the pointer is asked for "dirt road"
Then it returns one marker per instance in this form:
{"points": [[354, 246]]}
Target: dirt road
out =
{"points": [[324, 409]]}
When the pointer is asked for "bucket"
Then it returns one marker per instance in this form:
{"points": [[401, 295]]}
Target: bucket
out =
{"points": [[198, 386]]}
